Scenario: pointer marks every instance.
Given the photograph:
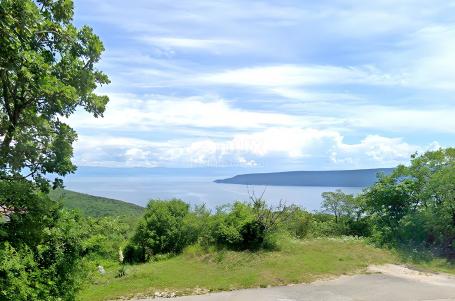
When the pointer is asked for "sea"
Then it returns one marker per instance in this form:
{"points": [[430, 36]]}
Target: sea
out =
{"points": [[195, 188]]}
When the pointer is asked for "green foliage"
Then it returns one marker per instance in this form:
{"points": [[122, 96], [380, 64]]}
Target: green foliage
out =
{"points": [[299, 222], [196, 269], [29, 211], [103, 237], [415, 206], [94, 206], [41, 248], [47, 70], [165, 228], [339, 204], [170, 226], [16, 277], [244, 226]]}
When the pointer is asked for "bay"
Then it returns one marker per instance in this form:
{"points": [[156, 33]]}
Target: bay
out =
{"points": [[194, 190]]}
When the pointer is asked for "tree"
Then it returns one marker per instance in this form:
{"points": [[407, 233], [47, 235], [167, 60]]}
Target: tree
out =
{"points": [[47, 71], [338, 203], [415, 205]]}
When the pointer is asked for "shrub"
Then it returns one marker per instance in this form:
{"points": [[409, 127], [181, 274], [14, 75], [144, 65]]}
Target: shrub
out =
{"points": [[41, 255], [105, 236], [166, 227], [299, 222], [245, 226]]}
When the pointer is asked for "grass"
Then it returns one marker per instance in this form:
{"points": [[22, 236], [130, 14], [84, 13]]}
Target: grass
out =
{"points": [[95, 206], [427, 262], [295, 262], [442, 265]]}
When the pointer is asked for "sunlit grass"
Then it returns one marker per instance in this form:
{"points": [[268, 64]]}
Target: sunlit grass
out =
{"points": [[295, 262]]}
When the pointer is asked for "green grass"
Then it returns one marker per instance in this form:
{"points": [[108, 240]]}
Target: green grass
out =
{"points": [[95, 206], [295, 262], [435, 265]]}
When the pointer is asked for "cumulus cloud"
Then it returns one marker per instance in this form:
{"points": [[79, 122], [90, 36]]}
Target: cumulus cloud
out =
{"points": [[344, 83], [252, 149]]}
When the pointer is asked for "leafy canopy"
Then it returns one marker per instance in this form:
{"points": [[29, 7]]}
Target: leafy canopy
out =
{"points": [[415, 205], [47, 71]]}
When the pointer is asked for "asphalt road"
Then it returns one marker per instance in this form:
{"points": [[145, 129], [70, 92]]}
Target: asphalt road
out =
{"points": [[383, 283]]}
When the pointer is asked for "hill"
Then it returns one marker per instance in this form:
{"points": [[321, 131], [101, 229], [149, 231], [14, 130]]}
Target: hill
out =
{"points": [[331, 178], [95, 206]]}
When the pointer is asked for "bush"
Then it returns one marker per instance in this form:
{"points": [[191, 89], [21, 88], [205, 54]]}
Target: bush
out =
{"points": [[105, 236], [245, 226], [167, 227], [40, 255], [299, 222]]}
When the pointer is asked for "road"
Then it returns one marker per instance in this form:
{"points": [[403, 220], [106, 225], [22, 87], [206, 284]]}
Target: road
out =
{"points": [[381, 283]]}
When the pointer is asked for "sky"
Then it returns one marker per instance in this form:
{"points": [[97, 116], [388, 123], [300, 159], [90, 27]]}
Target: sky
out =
{"points": [[270, 85]]}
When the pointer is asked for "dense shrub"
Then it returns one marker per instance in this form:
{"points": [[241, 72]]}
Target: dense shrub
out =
{"points": [[40, 255], [242, 226], [167, 227], [236, 227], [104, 237], [299, 222], [170, 226]]}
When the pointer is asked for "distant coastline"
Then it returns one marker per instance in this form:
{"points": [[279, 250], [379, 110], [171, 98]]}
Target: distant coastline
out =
{"points": [[330, 178]]}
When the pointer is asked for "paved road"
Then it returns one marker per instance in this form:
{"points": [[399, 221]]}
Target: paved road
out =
{"points": [[386, 283]]}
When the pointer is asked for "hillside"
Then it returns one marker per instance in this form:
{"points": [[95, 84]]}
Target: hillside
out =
{"points": [[332, 178], [95, 206]]}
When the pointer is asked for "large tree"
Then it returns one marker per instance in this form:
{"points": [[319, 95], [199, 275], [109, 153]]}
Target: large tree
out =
{"points": [[415, 205], [47, 71]]}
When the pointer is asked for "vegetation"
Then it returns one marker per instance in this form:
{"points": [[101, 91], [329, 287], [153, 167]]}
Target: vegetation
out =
{"points": [[414, 207], [47, 71], [244, 244], [198, 270], [165, 228], [41, 247], [94, 206]]}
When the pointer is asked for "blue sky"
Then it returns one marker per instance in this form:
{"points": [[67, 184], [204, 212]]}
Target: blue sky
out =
{"points": [[271, 85]]}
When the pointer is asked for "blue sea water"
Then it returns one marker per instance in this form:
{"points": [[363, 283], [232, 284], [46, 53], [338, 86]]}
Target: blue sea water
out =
{"points": [[194, 189]]}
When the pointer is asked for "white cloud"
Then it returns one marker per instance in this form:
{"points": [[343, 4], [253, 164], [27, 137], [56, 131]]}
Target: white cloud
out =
{"points": [[129, 112], [289, 144], [431, 57], [248, 82], [398, 119], [214, 45], [279, 76], [374, 148]]}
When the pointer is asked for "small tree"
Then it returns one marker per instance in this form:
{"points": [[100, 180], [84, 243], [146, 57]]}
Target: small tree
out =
{"points": [[338, 203]]}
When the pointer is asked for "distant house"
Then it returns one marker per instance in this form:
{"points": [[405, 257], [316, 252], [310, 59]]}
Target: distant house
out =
{"points": [[5, 213]]}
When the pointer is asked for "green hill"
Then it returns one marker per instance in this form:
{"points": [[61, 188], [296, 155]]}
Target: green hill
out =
{"points": [[95, 206]]}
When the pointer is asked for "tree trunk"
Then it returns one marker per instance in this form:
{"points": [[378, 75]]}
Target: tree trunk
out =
{"points": [[5, 146]]}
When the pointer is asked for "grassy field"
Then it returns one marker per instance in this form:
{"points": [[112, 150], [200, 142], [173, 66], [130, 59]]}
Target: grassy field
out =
{"points": [[295, 262], [95, 206]]}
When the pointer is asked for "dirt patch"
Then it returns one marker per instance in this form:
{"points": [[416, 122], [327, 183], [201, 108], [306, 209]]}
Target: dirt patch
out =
{"points": [[407, 273]]}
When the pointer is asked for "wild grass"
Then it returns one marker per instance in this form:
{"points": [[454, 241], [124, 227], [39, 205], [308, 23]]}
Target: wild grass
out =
{"points": [[198, 270]]}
